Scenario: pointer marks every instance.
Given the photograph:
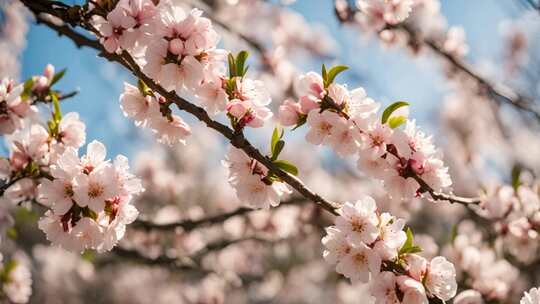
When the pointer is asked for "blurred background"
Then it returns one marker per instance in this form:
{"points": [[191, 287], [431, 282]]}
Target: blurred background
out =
{"points": [[482, 142]]}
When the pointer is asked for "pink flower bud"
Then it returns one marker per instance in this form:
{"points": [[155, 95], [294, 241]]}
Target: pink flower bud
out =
{"points": [[307, 104], [19, 160], [176, 46], [238, 108], [49, 72], [41, 83], [288, 113], [418, 163]]}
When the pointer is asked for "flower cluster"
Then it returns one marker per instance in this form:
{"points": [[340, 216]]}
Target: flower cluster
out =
{"points": [[33, 146], [244, 99], [347, 121], [252, 182], [15, 279], [491, 277], [126, 26], [145, 108], [379, 13], [89, 199], [366, 245], [419, 17], [181, 55], [516, 213]]}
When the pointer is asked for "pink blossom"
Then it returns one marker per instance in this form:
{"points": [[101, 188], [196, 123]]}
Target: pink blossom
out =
{"points": [[289, 113], [413, 290], [441, 279], [71, 130], [170, 131], [321, 125], [137, 106], [383, 288], [310, 84], [359, 263], [336, 245], [15, 109], [359, 221]]}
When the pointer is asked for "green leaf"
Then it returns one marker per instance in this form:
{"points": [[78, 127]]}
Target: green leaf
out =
{"points": [[516, 172], [277, 150], [286, 166], [453, 234], [88, 255], [232, 65], [397, 121], [409, 247], [275, 138], [391, 108], [324, 73], [143, 88], [410, 239], [241, 68], [412, 249], [4, 273], [277, 135], [333, 73], [23, 216], [87, 212], [11, 233], [58, 76], [27, 88], [57, 114]]}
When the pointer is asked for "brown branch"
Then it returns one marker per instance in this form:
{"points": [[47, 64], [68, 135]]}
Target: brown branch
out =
{"points": [[237, 139], [440, 196], [189, 263], [189, 225], [496, 91], [169, 262], [10, 183]]}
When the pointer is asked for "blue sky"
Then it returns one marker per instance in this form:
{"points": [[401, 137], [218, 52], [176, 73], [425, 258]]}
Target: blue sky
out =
{"points": [[386, 75]]}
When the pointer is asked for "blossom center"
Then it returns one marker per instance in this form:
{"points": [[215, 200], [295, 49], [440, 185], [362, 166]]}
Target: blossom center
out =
{"points": [[360, 258], [95, 190], [357, 225]]}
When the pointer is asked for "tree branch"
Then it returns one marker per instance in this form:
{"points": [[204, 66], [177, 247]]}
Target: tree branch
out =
{"points": [[189, 225], [496, 91], [237, 139]]}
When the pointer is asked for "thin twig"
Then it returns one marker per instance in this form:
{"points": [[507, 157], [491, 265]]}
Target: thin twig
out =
{"points": [[496, 91], [68, 95], [440, 196], [9, 183], [189, 225]]}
